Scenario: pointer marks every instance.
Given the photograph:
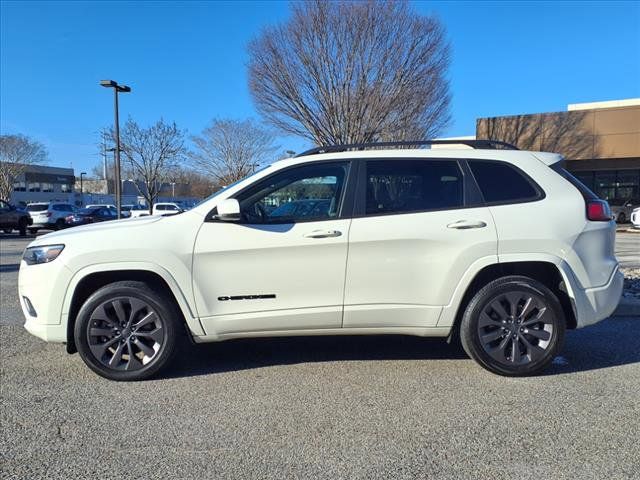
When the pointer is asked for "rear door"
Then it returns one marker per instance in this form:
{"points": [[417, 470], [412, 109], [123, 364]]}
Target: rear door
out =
{"points": [[419, 224]]}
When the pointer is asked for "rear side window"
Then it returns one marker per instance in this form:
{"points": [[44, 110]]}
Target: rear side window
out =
{"points": [[502, 183], [402, 186]]}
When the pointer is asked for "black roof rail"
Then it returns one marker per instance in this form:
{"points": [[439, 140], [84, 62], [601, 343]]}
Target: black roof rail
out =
{"points": [[483, 144]]}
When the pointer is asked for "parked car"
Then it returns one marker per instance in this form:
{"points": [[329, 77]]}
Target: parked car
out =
{"points": [[502, 248], [635, 217], [135, 211], [13, 218], [123, 212], [49, 215], [90, 215], [308, 208], [621, 209], [167, 208]]}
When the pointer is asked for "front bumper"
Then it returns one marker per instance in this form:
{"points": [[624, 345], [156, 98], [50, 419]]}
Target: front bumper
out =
{"points": [[45, 287]]}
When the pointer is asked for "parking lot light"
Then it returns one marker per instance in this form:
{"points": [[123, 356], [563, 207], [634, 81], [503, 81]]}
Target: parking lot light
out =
{"points": [[116, 89]]}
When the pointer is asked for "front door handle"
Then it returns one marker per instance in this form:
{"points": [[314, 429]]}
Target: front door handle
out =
{"points": [[323, 234], [466, 224]]}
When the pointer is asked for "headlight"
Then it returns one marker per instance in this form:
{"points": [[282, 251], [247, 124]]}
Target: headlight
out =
{"points": [[43, 254]]}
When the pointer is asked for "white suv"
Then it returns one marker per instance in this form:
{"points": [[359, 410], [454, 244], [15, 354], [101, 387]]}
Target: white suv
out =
{"points": [[49, 215], [502, 248], [166, 208]]}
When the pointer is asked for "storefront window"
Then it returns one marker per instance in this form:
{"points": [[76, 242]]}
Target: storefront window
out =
{"points": [[34, 187], [47, 187], [20, 187], [65, 188], [615, 186]]}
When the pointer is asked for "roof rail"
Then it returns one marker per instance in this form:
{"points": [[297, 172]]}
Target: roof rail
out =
{"points": [[477, 144]]}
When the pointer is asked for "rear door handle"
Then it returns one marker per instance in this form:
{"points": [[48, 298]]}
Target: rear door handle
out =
{"points": [[322, 234], [466, 224]]}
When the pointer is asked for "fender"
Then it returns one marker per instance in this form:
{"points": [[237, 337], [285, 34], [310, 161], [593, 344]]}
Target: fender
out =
{"points": [[192, 321], [450, 311]]}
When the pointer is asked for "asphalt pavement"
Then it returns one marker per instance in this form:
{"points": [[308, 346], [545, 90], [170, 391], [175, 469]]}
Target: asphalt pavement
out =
{"points": [[320, 407]]}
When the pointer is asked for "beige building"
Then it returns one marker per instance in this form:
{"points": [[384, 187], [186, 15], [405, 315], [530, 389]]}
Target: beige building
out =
{"points": [[601, 142]]}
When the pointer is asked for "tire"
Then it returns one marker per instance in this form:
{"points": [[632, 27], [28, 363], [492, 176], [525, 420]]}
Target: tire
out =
{"points": [[490, 325], [59, 225], [33, 231], [622, 218], [22, 227], [104, 336], [7, 230]]}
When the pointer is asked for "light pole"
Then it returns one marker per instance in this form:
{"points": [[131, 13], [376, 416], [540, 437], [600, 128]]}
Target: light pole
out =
{"points": [[173, 190], [116, 89], [81, 189]]}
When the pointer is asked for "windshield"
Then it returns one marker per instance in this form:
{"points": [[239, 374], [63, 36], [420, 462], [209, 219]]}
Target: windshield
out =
{"points": [[37, 207]]}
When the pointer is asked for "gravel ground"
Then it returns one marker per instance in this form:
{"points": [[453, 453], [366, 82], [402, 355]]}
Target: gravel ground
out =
{"points": [[334, 407], [631, 283]]}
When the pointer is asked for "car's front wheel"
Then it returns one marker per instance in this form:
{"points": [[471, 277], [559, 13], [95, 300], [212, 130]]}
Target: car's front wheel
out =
{"points": [[513, 326], [126, 331]]}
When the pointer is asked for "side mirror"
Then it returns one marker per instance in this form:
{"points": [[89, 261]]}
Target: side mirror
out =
{"points": [[229, 210]]}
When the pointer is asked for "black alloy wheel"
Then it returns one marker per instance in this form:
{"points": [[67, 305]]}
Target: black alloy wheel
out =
{"points": [[513, 326]]}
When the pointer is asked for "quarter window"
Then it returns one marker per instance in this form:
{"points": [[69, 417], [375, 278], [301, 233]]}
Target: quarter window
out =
{"points": [[307, 193], [402, 186], [500, 182]]}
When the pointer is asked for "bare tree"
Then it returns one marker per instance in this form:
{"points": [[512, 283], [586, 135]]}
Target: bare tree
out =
{"points": [[16, 153], [347, 72], [150, 155], [190, 183], [229, 150]]}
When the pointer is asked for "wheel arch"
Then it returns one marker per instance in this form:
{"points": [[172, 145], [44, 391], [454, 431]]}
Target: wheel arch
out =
{"points": [[87, 281], [546, 272]]}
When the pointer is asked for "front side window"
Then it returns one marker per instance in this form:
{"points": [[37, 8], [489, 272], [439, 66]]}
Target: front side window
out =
{"points": [[404, 186], [501, 183], [307, 193]]}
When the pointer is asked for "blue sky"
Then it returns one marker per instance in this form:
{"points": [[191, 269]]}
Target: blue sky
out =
{"points": [[186, 62]]}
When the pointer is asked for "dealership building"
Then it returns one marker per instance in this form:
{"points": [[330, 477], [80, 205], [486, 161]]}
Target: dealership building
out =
{"points": [[40, 183], [600, 142]]}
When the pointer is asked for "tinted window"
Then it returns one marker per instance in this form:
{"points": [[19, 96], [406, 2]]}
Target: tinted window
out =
{"points": [[311, 192], [37, 207], [500, 182], [396, 186]]}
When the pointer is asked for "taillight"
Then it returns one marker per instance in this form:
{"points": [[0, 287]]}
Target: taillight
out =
{"points": [[49, 214], [598, 211]]}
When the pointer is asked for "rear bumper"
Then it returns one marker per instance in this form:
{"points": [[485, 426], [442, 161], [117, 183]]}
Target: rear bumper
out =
{"points": [[592, 305]]}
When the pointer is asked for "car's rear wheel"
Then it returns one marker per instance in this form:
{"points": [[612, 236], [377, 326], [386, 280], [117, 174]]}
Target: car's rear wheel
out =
{"points": [[622, 218], [513, 326], [59, 225], [22, 227], [126, 331]]}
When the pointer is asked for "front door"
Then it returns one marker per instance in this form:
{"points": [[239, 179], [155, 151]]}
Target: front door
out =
{"points": [[282, 266]]}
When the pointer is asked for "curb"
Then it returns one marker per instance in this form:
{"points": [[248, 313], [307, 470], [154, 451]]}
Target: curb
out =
{"points": [[628, 230], [628, 307]]}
